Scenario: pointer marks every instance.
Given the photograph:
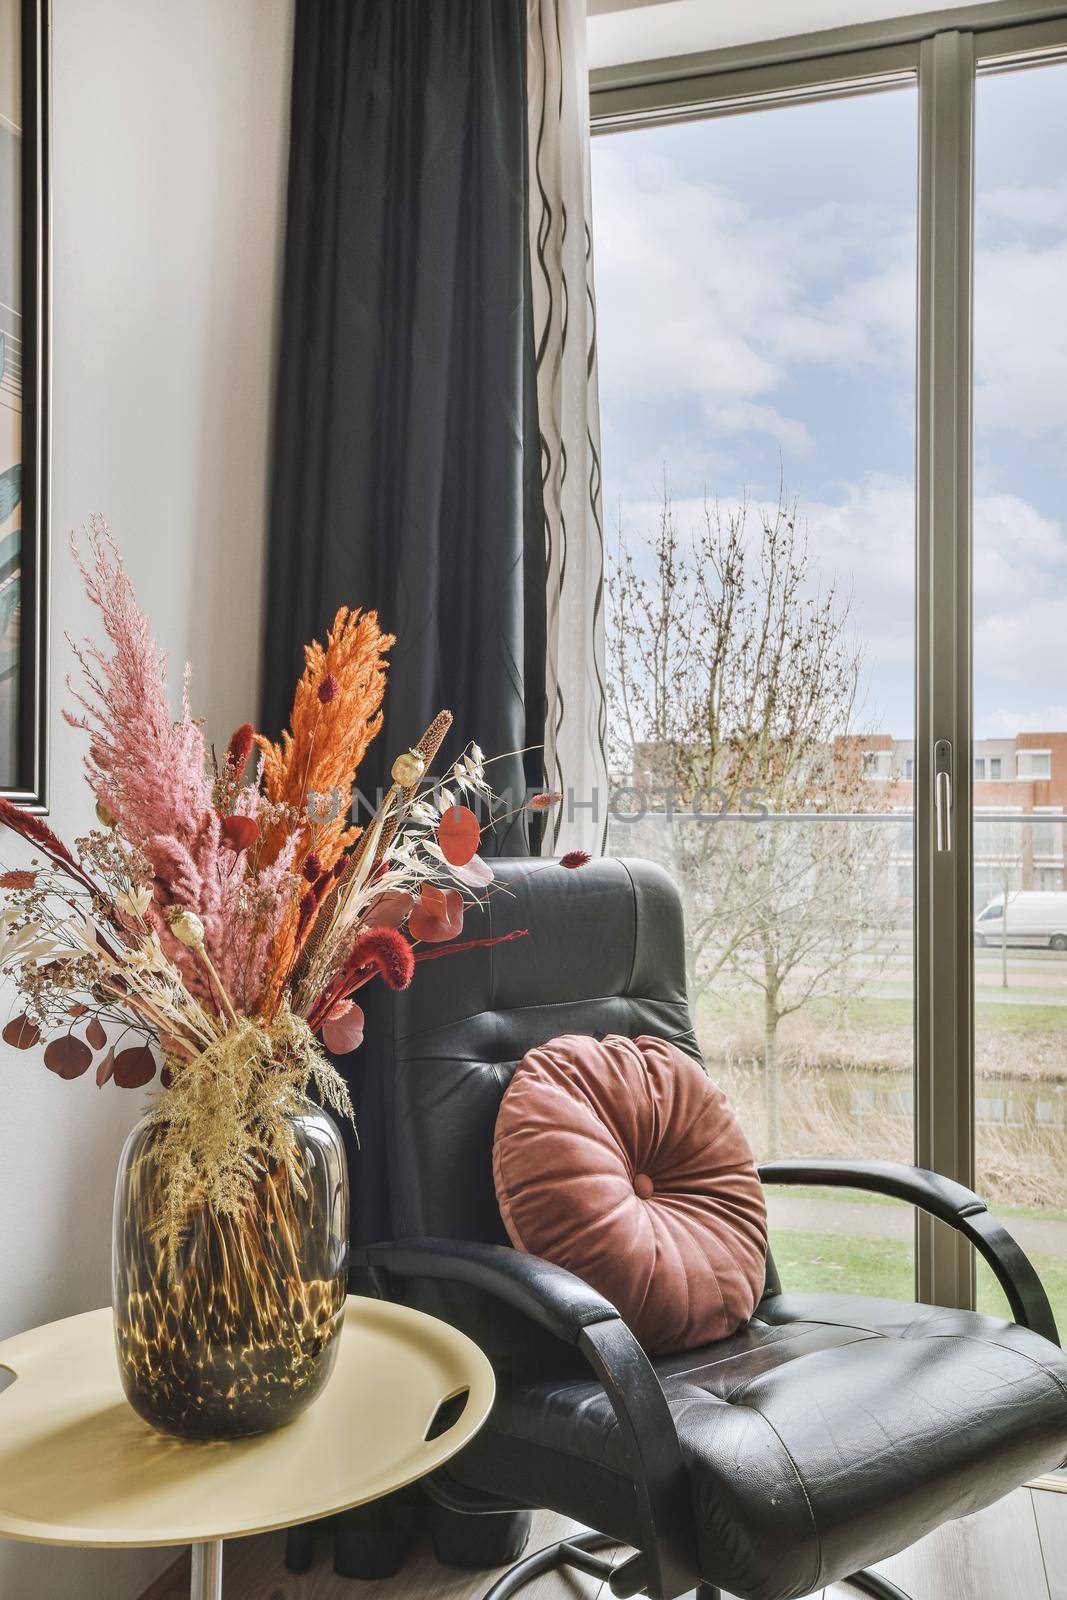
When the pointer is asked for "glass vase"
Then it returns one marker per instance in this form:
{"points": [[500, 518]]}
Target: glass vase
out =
{"points": [[237, 1331]]}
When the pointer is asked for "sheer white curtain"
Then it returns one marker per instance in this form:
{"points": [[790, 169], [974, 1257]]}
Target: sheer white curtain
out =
{"points": [[564, 309]]}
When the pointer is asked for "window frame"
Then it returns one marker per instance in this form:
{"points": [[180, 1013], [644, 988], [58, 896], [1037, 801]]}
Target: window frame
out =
{"points": [[942, 52]]}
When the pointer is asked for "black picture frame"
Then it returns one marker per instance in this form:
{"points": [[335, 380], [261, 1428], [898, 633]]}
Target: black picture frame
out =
{"points": [[27, 784]]}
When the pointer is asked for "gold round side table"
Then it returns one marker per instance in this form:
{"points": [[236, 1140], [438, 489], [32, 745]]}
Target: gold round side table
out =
{"points": [[79, 1467]]}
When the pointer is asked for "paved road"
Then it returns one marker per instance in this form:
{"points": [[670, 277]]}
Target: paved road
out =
{"points": [[1036, 1234], [984, 996], [1035, 977]]}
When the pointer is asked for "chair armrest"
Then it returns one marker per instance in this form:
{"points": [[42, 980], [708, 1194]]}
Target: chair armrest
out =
{"points": [[576, 1313], [547, 1294], [952, 1203]]}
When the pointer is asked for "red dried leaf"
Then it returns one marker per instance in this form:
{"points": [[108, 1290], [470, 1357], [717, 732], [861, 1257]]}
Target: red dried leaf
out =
{"points": [[389, 910], [459, 835], [106, 1068], [95, 1034], [22, 1034], [437, 915], [78, 1009], [134, 1067], [343, 1032], [239, 833], [68, 1057], [434, 900]]}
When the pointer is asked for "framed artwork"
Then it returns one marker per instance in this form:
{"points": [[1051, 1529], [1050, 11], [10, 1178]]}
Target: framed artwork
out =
{"points": [[24, 394]]}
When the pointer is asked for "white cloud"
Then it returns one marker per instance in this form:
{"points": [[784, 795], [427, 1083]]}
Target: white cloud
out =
{"points": [[1017, 551], [1020, 578], [1036, 205], [700, 298], [715, 316], [750, 416], [1020, 345], [865, 540], [1029, 717]]}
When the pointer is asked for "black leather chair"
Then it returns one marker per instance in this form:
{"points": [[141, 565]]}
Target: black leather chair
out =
{"points": [[828, 1433]]}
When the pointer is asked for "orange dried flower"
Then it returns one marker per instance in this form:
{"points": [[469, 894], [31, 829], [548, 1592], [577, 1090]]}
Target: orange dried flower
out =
{"points": [[322, 751], [18, 878], [319, 753]]}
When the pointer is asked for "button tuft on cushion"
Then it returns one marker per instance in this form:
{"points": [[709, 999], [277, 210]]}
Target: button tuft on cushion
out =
{"points": [[590, 1130]]}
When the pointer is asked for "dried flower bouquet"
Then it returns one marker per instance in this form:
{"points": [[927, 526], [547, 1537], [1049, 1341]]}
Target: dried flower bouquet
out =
{"points": [[215, 924]]}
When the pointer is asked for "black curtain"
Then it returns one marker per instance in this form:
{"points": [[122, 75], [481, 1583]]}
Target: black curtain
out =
{"points": [[407, 474], [407, 470], [407, 465]]}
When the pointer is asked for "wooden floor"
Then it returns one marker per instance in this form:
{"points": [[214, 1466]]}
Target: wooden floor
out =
{"points": [[1017, 1550]]}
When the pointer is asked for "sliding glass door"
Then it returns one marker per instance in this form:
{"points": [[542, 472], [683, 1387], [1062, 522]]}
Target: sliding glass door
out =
{"points": [[1020, 687], [756, 288], [805, 560]]}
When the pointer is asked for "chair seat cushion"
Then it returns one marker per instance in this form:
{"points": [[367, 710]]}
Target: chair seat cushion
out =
{"points": [[621, 1160], [829, 1433]]}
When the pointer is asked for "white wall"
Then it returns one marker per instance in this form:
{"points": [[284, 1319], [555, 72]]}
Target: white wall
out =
{"points": [[169, 146]]}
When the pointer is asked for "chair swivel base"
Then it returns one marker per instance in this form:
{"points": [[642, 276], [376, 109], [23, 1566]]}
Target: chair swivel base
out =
{"points": [[552, 1557], [579, 1552], [874, 1584]]}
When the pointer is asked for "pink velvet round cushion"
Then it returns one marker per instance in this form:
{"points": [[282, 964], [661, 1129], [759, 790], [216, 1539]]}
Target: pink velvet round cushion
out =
{"points": [[621, 1160]]}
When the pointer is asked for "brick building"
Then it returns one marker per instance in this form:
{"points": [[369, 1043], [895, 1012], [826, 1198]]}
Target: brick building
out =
{"points": [[1024, 777]]}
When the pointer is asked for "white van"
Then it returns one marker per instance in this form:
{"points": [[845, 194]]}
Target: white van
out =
{"points": [[1035, 917]]}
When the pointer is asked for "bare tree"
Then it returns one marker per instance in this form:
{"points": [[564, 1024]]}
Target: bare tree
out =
{"points": [[734, 683]]}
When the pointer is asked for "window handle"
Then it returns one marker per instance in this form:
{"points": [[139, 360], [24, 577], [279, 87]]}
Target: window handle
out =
{"points": [[943, 794]]}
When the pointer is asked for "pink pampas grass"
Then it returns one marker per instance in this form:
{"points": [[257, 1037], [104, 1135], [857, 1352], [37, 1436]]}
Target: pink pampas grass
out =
{"points": [[148, 769]]}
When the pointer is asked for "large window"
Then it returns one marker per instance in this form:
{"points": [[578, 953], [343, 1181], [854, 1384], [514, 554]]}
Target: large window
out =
{"points": [[799, 533], [1020, 600], [756, 313]]}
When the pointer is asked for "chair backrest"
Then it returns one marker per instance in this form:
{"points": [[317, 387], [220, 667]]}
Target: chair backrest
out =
{"points": [[604, 953]]}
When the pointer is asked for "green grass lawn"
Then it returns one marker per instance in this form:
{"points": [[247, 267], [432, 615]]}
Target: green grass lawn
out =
{"points": [[833, 1261], [877, 1011], [888, 1014], [1032, 1034], [886, 1267], [865, 1197]]}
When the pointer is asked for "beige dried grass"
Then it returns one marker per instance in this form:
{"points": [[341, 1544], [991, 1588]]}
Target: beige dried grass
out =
{"points": [[227, 1117]]}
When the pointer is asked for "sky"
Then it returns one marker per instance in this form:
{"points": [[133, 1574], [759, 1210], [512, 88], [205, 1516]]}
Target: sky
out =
{"points": [[755, 280]]}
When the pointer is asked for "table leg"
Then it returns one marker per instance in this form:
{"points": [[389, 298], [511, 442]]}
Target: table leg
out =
{"points": [[206, 1581]]}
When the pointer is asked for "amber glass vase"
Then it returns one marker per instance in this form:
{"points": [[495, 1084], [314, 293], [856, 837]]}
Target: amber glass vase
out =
{"points": [[238, 1333]]}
